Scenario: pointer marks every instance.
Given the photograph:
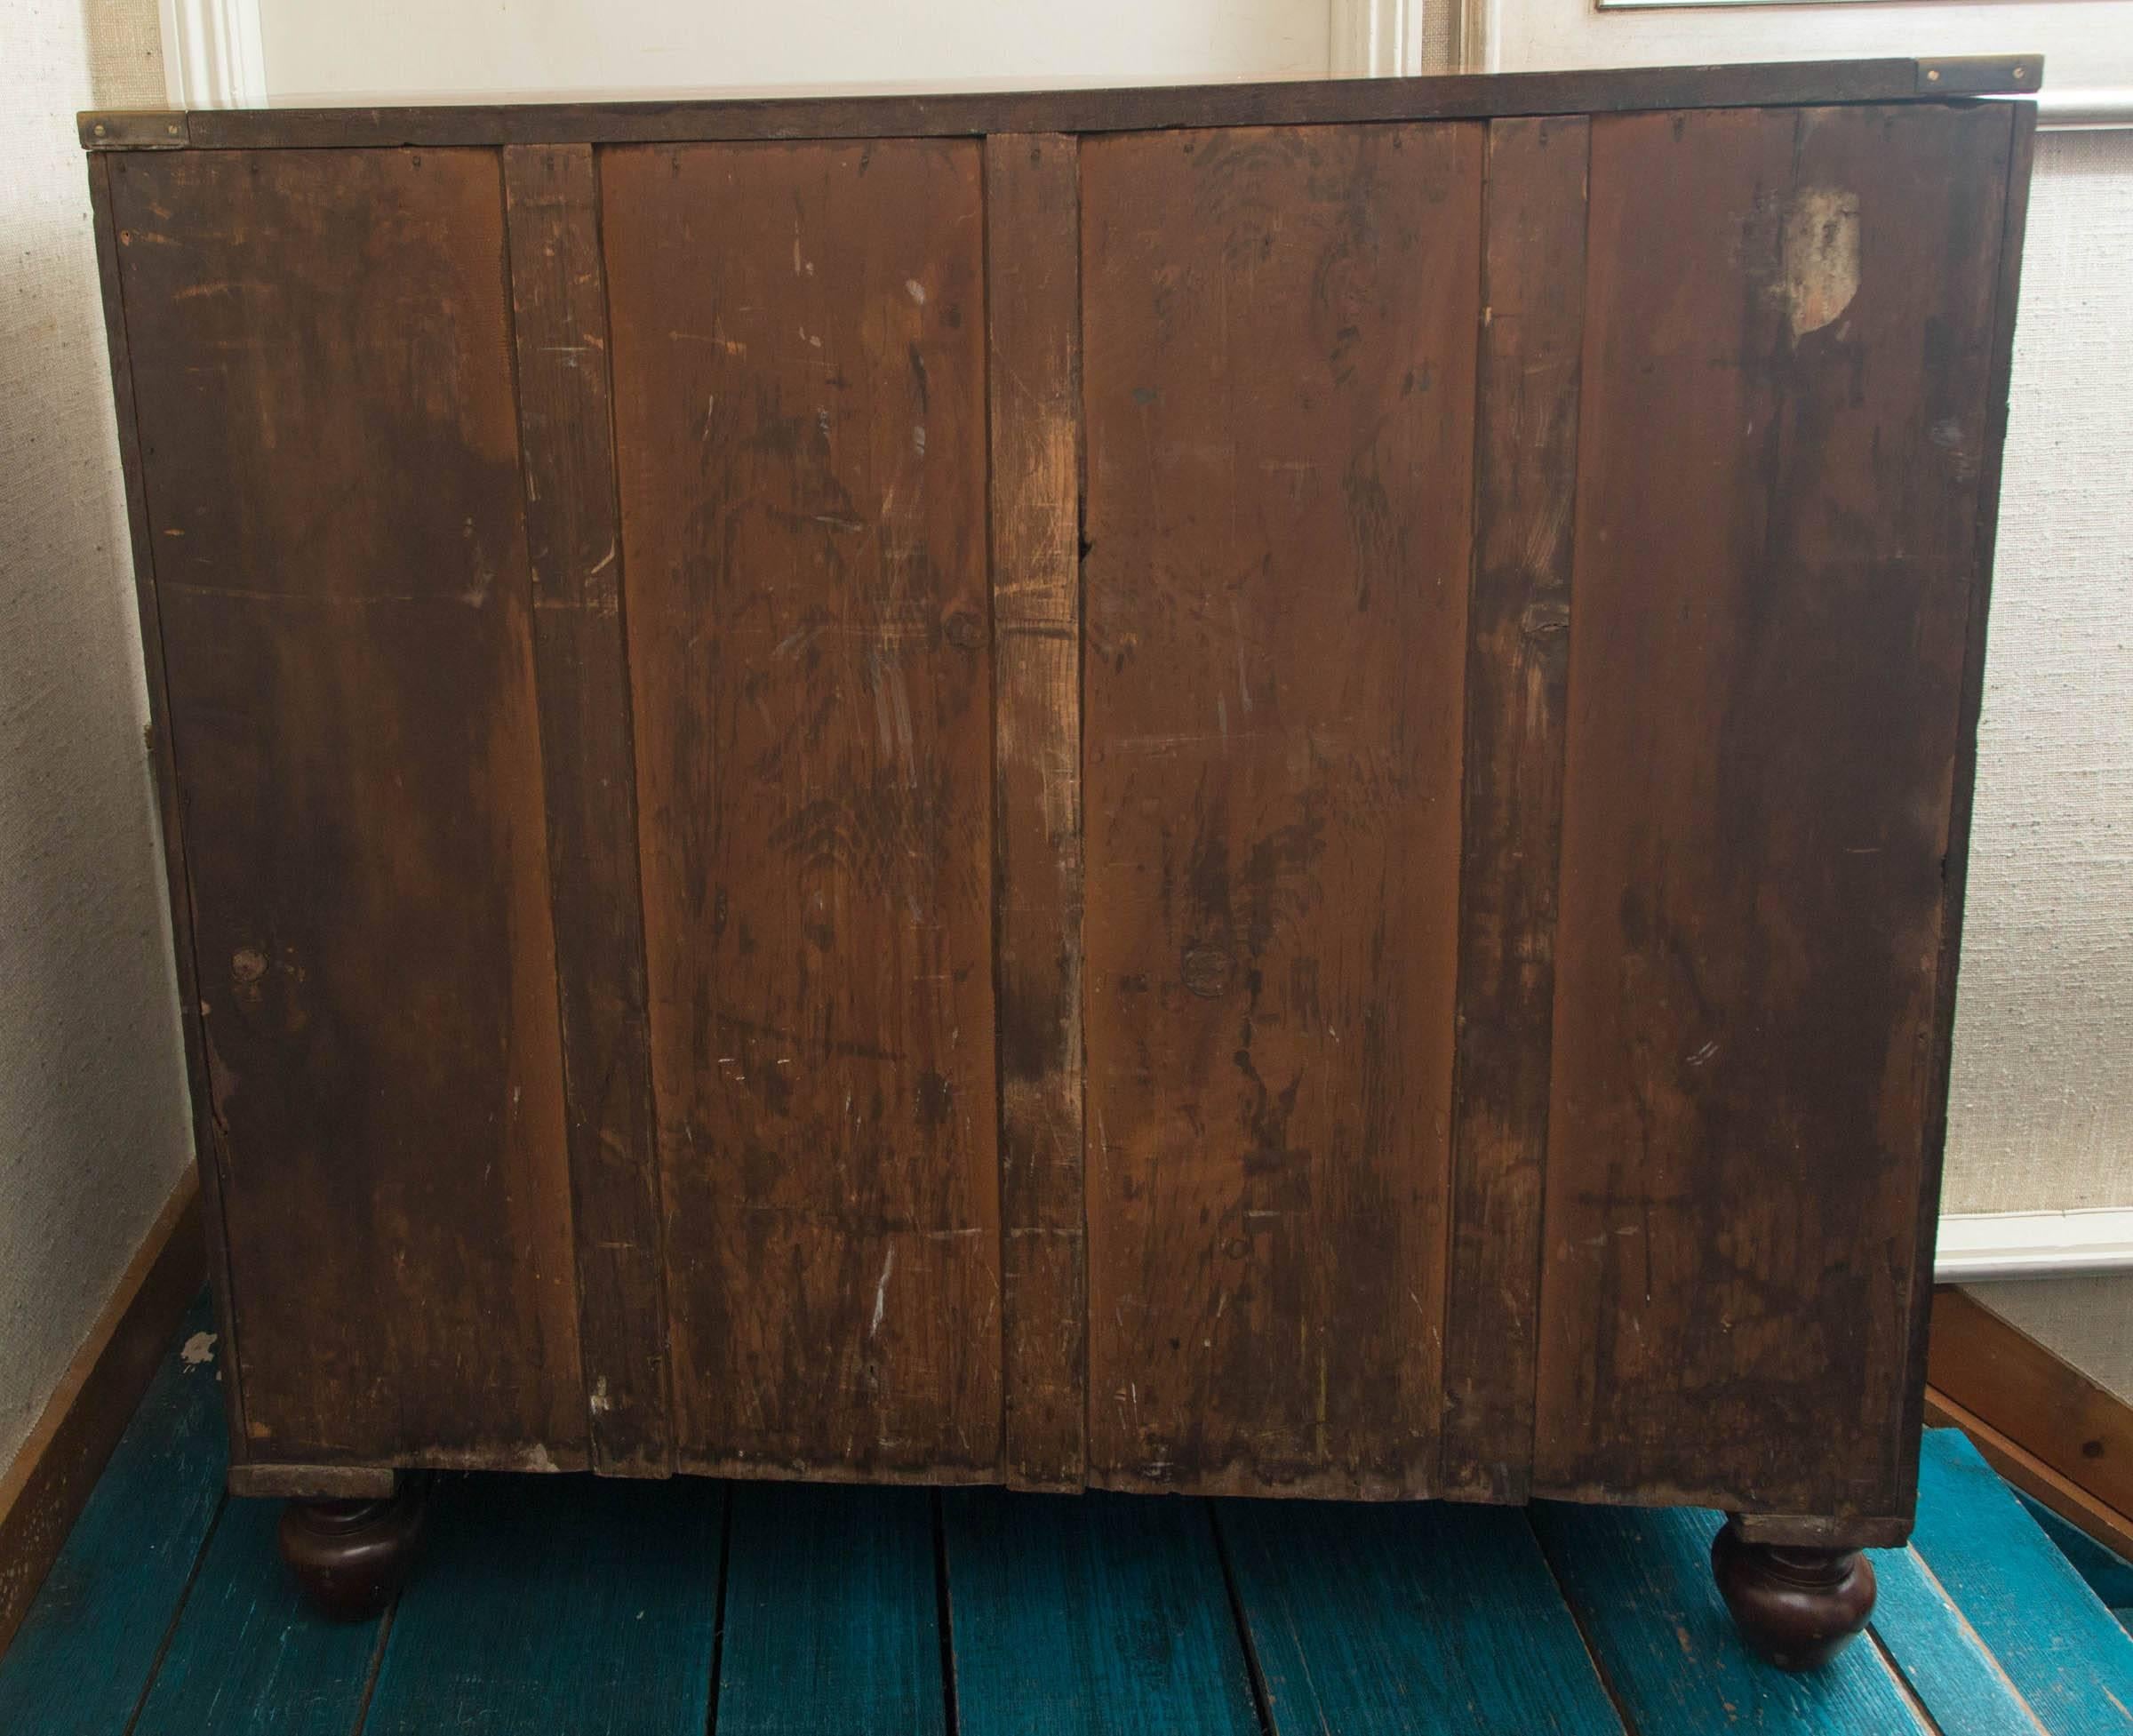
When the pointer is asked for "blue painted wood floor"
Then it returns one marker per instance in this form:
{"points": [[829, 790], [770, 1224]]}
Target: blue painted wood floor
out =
{"points": [[560, 1605]]}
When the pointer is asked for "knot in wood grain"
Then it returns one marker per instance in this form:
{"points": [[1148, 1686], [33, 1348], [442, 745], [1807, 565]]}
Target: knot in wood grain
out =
{"points": [[1207, 972]]}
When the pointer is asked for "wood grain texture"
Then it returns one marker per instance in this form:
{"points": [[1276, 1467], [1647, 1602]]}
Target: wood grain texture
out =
{"points": [[1413, 1618], [1033, 310], [1924, 1633], [801, 426], [1290, 102], [832, 1614], [2074, 1670], [332, 488], [86, 1652], [2031, 1476], [561, 1605], [574, 540], [247, 1657], [1103, 1613], [42, 1491], [169, 807], [2000, 1373], [1784, 418], [1277, 582], [1640, 1585], [1517, 672]]}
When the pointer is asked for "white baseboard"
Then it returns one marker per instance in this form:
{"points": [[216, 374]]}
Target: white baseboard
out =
{"points": [[1979, 1248]]}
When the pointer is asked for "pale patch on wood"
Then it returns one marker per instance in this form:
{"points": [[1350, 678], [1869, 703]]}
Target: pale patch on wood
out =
{"points": [[1821, 250]]}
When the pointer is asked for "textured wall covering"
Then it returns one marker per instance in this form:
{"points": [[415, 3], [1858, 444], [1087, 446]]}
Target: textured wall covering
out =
{"points": [[93, 1129], [2087, 1321], [2042, 1111]]}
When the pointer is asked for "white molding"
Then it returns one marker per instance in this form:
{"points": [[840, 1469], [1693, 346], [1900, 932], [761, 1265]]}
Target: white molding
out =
{"points": [[2090, 110], [213, 54], [1983, 1247]]}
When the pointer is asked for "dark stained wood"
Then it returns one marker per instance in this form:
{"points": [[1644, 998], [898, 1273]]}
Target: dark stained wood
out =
{"points": [[1518, 662], [1783, 425], [574, 539], [352, 725], [1277, 584], [1033, 309], [799, 337], [177, 879], [352, 1557], [1796, 1608], [1291, 102], [1956, 869]]}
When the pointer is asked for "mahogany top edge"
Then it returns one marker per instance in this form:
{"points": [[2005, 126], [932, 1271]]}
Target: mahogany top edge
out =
{"points": [[1462, 96]]}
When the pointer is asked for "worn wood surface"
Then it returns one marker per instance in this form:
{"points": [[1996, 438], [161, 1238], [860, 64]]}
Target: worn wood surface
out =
{"points": [[2000, 1373], [246, 1657], [1358, 1621], [561, 1605], [53, 1470], [1639, 1583], [1291, 102], [1921, 1627], [802, 432], [1517, 671], [1032, 311], [1783, 418], [574, 543], [832, 1615], [1103, 1613], [2075, 1670], [86, 1651], [358, 766], [177, 878], [1275, 628]]}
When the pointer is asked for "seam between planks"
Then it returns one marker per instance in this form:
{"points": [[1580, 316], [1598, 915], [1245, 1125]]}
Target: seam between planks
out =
{"points": [[377, 1666], [1262, 1702], [170, 1627], [1607, 1683], [1933, 1581]]}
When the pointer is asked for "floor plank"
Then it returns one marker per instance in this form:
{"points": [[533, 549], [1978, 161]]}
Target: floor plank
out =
{"points": [[571, 1605], [2109, 1575], [2060, 1646], [1937, 1651], [249, 1657], [831, 1626], [1427, 1618], [1639, 1583], [83, 1655], [1091, 1615]]}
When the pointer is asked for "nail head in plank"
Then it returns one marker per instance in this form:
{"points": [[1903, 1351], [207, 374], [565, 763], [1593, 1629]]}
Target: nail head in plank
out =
{"points": [[574, 540], [249, 1656], [2062, 1649], [1639, 1581], [1032, 307], [1415, 1617], [84, 1654], [1517, 674], [557, 1604], [832, 1615], [1091, 1614]]}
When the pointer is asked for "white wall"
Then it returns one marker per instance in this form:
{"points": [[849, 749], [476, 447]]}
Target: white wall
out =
{"points": [[92, 1121], [332, 50]]}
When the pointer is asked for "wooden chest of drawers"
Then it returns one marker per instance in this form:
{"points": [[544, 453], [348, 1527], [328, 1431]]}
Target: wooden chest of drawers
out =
{"points": [[1257, 790]]}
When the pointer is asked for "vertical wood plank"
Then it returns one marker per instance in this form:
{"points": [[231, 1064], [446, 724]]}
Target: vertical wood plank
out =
{"points": [[1517, 670], [86, 1651], [1100, 1613], [574, 539], [1033, 309], [799, 337], [333, 484], [1783, 418], [559, 1604], [207, 1150], [1279, 331], [1412, 1617], [832, 1614]]}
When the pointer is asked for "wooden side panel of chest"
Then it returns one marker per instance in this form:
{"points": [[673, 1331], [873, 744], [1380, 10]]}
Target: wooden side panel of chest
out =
{"points": [[1263, 808]]}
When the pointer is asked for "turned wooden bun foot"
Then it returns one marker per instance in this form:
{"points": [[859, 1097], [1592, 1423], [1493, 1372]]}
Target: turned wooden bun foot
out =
{"points": [[352, 1557], [1796, 1608]]}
